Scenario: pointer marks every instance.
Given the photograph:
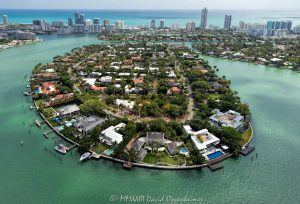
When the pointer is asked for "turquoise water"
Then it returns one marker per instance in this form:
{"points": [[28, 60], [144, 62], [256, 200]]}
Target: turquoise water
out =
{"points": [[143, 17], [29, 174]]}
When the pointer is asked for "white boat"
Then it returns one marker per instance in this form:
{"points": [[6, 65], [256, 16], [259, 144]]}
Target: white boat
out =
{"points": [[27, 93], [85, 156], [61, 149]]}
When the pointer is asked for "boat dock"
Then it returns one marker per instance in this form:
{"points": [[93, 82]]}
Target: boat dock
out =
{"points": [[95, 155], [39, 123], [71, 147], [32, 107], [127, 165], [247, 150], [46, 134], [217, 166]]}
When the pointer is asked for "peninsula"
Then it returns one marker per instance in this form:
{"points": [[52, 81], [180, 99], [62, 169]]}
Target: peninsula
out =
{"points": [[148, 103]]}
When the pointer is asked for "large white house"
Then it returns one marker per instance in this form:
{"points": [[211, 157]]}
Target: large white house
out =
{"points": [[106, 79], [202, 139], [228, 119], [125, 103], [110, 135]]}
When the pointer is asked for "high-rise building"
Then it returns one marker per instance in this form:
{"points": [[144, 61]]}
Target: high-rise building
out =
{"points": [[5, 19], [162, 24], [190, 26], [175, 27], [58, 24], [227, 22], [193, 26], [279, 25], [88, 22], [289, 25], [70, 21], [119, 24], [96, 21], [20, 35], [82, 19], [95, 28], [270, 25], [45, 26], [203, 18], [77, 18], [297, 29], [106, 22], [37, 22], [242, 25], [152, 25]]}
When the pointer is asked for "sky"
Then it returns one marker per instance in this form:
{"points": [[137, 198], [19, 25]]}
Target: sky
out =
{"points": [[152, 4]]}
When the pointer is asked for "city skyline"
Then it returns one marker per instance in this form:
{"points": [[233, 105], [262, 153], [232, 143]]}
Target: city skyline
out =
{"points": [[154, 4]]}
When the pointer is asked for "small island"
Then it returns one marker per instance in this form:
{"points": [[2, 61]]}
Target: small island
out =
{"points": [[153, 105], [17, 39]]}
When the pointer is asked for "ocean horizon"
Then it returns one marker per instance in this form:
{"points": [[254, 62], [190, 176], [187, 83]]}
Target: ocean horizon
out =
{"points": [[134, 17]]}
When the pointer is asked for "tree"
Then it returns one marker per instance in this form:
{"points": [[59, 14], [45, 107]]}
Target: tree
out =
{"points": [[92, 107], [172, 110], [232, 138], [200, 85], [196, 158]]}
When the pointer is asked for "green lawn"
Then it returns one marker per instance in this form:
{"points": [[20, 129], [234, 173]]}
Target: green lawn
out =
{"points": [[214, 96], [39, 102], [99, 148], [49, 112], [164, 158], [246, 136]]}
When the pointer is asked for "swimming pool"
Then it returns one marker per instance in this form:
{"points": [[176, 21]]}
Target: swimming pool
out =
{"points": [[214, 155], [37, 90], [184, 150], [108, 152]]}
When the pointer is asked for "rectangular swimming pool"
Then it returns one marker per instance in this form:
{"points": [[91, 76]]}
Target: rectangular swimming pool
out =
{"points": [[214, 155]]}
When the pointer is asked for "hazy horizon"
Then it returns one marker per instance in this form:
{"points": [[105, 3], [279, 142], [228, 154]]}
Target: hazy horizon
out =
{"points": [[152, 4]]}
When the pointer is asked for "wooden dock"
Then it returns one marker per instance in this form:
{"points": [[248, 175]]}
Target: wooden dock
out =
{"points": [[46, 134], [127, 165], [71, 147], [247, 150], [39, 123], [95, 155], [217, 166]]}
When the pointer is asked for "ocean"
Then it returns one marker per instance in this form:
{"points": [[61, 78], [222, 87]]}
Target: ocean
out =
{"points": [[143, 17]]}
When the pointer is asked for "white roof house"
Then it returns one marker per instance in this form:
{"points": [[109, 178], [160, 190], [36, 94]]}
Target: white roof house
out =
{"points": [[115, 67], [68, 110], [90, 81], [111, 135], [125, 103], [124, 74], [153, 69], [106, 79], [228, 119], [202, 139], [139, 68], [50, 70]]}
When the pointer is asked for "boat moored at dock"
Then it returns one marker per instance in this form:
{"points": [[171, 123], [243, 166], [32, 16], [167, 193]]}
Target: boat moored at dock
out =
{"points": [[85, 156], [61, 149]]}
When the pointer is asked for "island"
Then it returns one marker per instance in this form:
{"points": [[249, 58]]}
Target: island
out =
{"points": [[279, 52], [149, 104]]}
